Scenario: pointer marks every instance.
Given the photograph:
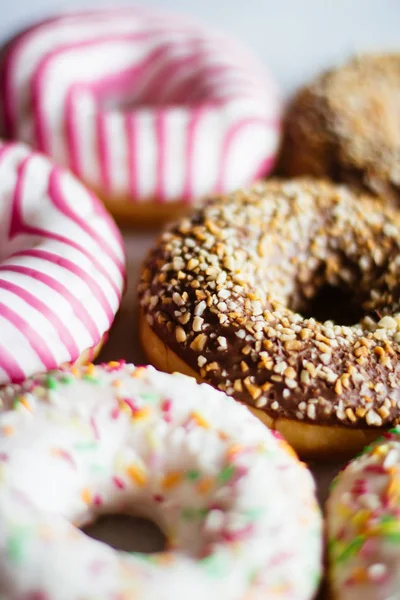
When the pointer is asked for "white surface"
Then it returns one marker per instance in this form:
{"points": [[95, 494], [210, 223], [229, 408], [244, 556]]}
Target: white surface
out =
{"points": [[295, 37]]}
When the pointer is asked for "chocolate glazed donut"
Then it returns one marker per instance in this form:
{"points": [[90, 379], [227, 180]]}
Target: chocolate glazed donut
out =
{"points": [[286, 296]]}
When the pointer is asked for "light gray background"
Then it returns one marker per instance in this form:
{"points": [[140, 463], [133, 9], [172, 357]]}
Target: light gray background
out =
{"points": [[294, 37]]}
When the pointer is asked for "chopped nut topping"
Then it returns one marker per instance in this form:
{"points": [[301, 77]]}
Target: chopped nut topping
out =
{"points": [[238, 387], [260, 402], [373, 418], [338, 387], [388, 323], [221, 282], [197, 323], [201, 361], [290, 373], [199, 342], [254, 390], [180, 335], [350, 415]]}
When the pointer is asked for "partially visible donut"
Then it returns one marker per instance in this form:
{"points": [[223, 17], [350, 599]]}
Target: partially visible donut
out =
{"points": [[238, 509], [150, 110], [62, 266], [223, 295], [363, 525], [346, 125]]}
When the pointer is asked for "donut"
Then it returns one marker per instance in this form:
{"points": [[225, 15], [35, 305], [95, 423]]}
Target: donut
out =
{"points": [[152, 111], [62, 266], [345, 126], [286, 297], [363, 523], [237, 507]]}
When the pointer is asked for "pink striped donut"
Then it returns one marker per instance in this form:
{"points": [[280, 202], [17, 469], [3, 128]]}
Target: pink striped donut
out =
{"points": [[62, 266], [150, 110]]}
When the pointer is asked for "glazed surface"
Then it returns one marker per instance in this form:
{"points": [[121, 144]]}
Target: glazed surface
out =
{"points": [[62, 266], [237, 507], [222, 290], [363, 514], [141, 105]]}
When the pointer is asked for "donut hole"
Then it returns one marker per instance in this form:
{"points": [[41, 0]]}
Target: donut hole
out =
{"points": [[338, 290], [127, 533], [333, 303]]}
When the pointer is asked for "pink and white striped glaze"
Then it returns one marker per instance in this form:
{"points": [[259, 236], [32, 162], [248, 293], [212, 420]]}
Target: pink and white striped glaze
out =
{"points": [[62, 265], [141, 104]]}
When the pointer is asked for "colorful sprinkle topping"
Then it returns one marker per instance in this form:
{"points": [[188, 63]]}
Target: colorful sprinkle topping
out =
{"points": [[94, 456]]}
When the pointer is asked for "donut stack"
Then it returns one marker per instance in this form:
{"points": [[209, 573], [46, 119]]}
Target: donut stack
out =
{"points": [[279, 298]]}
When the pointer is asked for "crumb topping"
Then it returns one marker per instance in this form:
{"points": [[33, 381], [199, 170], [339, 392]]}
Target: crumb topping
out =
{"points": [[225, 290], [346, 125]]}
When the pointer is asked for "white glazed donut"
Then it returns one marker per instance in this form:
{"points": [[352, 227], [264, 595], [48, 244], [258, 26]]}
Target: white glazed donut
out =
{"points": [[151, 110], [363, 514], [237, 507], [61, 266]]}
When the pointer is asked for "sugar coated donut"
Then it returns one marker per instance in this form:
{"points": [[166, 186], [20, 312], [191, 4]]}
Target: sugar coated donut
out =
{"points": [[224, 292], [237, 508], [151, 110], [61, 266], [363, 521], [345, 125]]}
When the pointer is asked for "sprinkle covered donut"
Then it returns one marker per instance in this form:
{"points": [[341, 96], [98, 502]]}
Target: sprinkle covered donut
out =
{"points": [[237, 508], [62, 266], [363, 521], [151, 110], [242, 295]]}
